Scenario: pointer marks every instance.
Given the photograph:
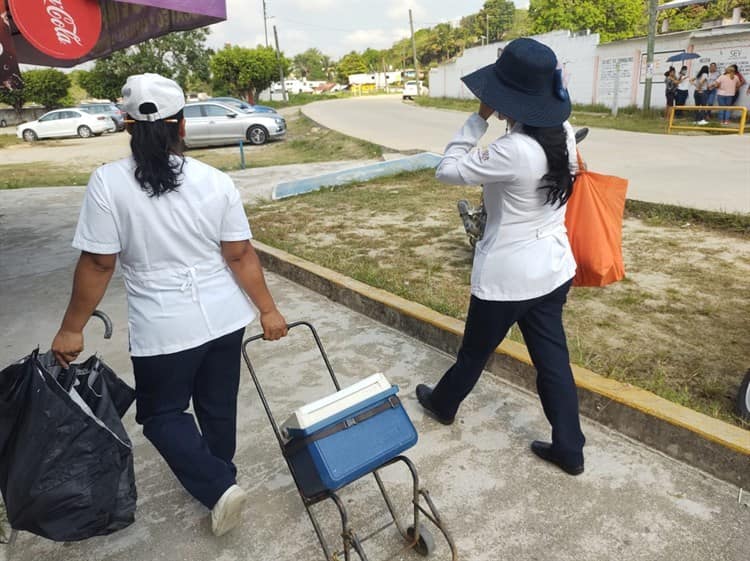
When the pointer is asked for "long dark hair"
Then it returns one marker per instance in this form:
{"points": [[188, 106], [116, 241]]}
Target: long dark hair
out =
{"points": [[153, 145], [559, 181], [702, 71]]}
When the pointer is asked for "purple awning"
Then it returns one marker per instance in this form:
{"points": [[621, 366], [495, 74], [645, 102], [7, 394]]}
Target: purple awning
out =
{"points": [[213, 8]]}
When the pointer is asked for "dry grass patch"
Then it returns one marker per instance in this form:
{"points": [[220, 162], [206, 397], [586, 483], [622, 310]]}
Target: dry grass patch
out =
{"points": [[305, 142], [679, 325]]}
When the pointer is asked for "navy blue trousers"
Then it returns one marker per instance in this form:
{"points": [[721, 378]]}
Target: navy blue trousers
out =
{"points": [[165, 384], [540, 321]]}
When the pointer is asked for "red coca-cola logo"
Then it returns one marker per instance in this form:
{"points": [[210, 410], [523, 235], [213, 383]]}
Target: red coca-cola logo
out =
{"points": [[64, 29]]}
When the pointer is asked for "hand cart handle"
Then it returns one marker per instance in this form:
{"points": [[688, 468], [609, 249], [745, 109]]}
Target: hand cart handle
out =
{"points": [[107, 323], [256, 381]]}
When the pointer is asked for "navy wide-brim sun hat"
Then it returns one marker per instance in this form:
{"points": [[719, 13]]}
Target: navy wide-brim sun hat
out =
{"points": [[524, 84]]}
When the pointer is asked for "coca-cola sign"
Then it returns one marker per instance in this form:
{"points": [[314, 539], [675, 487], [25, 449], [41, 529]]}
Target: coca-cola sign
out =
{"points": [[64, 29]]}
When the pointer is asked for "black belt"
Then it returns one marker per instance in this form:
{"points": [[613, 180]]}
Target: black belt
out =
{"points": [[296, 444]]}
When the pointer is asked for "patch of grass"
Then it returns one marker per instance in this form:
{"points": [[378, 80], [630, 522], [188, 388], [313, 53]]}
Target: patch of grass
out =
{"points": [[306, 142], [9, 140], [41, 174], [593, 115], [303, 99], [678, 325], [669, 215]]}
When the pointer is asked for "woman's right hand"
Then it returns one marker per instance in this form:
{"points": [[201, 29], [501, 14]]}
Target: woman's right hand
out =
{"points": [[273, 324], [485, 111]]}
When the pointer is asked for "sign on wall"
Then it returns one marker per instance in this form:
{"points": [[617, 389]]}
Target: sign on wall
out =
{"points": [[615, 74], [661, 65], [723, 57]]}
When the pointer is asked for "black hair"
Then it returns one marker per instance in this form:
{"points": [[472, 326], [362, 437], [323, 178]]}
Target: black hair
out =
{"points": [[153, 144], [558, 181], [702, 71]]}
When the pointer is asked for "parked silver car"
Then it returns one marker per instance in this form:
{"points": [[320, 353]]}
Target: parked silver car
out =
{"points": [[210, 123]]}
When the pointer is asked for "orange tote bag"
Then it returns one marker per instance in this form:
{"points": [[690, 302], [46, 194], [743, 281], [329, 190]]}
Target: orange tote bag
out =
{"points": [[594, 223]]}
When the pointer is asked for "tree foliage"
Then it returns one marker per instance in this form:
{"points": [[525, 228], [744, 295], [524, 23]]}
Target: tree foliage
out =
{"points": [[48, 87], [352, 63], [311, 64], [182, 56], [612, 19], [15, 98], [244, 72]]}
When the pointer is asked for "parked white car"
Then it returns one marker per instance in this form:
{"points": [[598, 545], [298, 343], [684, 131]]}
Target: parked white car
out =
{"points": [[410, 89], [64, 122], [210, 123]]}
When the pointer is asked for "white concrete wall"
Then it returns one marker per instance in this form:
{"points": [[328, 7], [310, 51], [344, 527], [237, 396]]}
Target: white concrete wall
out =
{"points": [[576, 53], [592, 68]]}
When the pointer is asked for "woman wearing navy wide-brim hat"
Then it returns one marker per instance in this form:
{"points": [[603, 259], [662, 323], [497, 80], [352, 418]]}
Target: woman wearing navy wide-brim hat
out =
{"points": [[523, 266]]}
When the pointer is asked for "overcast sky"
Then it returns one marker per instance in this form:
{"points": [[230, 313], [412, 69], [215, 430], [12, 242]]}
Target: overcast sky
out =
{"points": [[335, 26]]}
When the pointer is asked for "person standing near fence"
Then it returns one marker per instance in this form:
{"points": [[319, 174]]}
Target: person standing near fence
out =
{"points": [[670, 87], [523, 266], [683, 88], [701, 84], [183, 241], [726, 87]]}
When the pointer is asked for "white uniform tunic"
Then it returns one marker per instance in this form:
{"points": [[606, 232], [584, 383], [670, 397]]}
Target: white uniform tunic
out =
{"points": [[525, 251], [181, 293]]}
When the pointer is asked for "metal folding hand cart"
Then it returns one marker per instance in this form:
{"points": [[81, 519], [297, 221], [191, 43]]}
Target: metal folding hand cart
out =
{"points": [[315, 487]]}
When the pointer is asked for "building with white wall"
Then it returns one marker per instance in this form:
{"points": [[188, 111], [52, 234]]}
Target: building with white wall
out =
{"points": [[596, 71]]}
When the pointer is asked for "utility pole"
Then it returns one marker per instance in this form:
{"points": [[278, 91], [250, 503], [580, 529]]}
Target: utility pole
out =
{"points": [[265, 21], [414, 51], [487, 26], [652, 5], [281, 68]]}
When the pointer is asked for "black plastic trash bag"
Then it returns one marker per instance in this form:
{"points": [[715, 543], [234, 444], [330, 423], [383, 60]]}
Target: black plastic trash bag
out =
{"points": [[66, 462]]}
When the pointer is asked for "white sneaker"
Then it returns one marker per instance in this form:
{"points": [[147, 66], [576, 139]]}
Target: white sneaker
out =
{"points": [[227, 513], [702, 122]]}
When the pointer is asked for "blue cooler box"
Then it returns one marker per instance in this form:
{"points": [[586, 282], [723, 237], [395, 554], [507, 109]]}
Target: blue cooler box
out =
{"points": [[344, 447]]}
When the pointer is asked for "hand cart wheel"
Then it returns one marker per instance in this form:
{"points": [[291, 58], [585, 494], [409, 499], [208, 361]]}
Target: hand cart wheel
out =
{"points": [[424, 544]]}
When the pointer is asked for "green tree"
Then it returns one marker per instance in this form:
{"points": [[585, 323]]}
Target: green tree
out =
{"points": [[15, 98], [47, 86], [691, 17], [373, 59], [612, 19], [311, 64], [241, 72], [495, 17], [353, 63], [182, 56]]}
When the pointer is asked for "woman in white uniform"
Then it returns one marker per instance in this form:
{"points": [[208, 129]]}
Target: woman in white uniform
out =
{"points": [[193, 282], [523, 267]]}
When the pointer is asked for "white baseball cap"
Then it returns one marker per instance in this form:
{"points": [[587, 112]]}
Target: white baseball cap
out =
{"points": [[151, 97]]}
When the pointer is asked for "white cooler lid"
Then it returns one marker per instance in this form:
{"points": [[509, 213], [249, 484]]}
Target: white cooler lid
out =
{"points": [[319, 410]]}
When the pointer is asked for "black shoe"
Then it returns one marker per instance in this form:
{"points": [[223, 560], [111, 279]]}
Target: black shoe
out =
{"points": [[424, 394], [544, 451]]}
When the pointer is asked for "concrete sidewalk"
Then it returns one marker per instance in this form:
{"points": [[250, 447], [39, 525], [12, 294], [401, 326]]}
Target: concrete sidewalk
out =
{"points": [[499, 501]]}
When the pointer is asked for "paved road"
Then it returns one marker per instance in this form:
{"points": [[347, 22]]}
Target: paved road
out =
{"points": [[708, 172], [499, 500]]}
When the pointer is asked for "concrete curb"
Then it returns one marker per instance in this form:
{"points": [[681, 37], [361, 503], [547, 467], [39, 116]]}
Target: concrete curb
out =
{"points": [[713, 446]]}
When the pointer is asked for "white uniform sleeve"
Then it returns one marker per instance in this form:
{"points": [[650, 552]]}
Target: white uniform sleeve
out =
{"points": [[572, 155], [462, 165], [234, 226], [96, 231]]}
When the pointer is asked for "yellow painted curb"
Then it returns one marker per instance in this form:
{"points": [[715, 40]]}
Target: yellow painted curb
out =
{"points": [[714, 430]]}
